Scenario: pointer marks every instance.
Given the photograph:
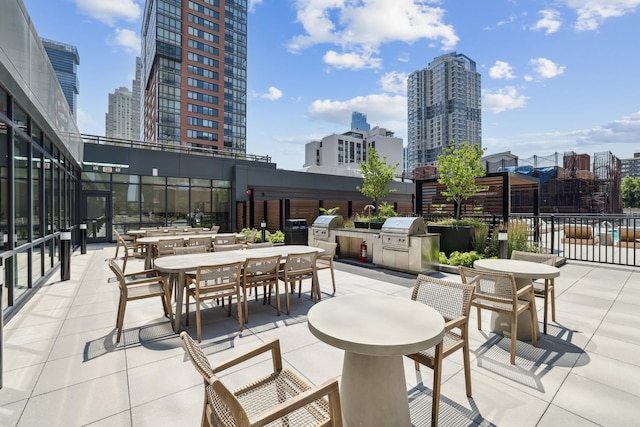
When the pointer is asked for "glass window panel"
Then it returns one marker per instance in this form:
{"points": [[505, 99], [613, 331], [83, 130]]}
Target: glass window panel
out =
{"points": [[154, 180], [96, 176], [125, 202], [96, 186], [36, 263], [21, 274], [36, 182], [4, 193], [221, 209], [178, 181], [4, 100], [153, 205], [120, 178], [200, 207], [201, 182], [21, 196], [177, 205], [19, 117]]}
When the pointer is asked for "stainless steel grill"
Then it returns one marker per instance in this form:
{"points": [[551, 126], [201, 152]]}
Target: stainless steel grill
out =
{"points": [[322, 225], [395, 233]]}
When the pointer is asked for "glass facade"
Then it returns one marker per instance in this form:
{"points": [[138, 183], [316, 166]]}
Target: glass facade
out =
{"points": [[40, 153]]}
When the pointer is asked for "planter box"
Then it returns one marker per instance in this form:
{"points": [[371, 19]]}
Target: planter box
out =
{"points": [[364, 224], [453, 237]]}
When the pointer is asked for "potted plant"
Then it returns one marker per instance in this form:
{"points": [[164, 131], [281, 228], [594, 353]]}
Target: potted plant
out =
{"points": [[384, 212]]}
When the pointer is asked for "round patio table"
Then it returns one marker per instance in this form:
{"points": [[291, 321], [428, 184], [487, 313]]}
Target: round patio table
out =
{"points": [[375, 331], [524, 272]]}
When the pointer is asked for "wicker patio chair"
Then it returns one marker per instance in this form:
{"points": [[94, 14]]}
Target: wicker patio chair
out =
{"points": [[224, 240], [545, 291], [260, 272], [298, 267], [279, 398], [251, 236], [165, 246], [139, 285], [214, 282], [205, 241], [259, 245], [498, 292], [129, 253], [119, 237], [230, 247], [325, 260], [214, 229], [453, 301], [189, 250]]}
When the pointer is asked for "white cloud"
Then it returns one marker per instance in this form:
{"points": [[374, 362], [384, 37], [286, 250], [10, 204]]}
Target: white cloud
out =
{"points": [[403, 57], [362, 27], [592, 13], [110, 11], [273, 94], [387, 111], [506, 98], [546, 69], [501, 70], [394, 82], [253, 4], [126, 39], [511, 19], [351, 60], [550, 21]]}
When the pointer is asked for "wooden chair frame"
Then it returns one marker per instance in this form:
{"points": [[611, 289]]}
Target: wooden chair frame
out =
{"points": [[260, 272]]}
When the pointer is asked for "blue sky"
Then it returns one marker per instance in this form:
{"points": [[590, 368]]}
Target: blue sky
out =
{"points": [[557, 76]]}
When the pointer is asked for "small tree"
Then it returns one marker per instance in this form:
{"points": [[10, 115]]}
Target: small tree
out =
{"points": [[630, 192], [458, 168], [376, 176]]}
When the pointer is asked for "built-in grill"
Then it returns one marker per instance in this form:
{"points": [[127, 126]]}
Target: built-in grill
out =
{"points": [[395, 233], [321, 226], [405, 246]]}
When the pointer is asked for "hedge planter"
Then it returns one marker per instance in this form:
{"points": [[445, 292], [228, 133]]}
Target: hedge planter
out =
{"points": [[453, 237], [365, 224]]}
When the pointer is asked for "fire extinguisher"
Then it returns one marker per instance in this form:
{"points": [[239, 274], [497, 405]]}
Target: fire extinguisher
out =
{"points": [[363, 252]]}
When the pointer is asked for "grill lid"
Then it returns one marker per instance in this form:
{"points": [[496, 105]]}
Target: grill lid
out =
{"points": [[404, 225], [329, 221]]}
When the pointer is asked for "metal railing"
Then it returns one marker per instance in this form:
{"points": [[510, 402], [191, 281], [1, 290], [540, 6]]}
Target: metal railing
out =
{"points": [[200, 151], [609, 239]]}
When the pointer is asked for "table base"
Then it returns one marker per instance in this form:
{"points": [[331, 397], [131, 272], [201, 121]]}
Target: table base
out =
{"points": [[501, 323], [373, 391]]}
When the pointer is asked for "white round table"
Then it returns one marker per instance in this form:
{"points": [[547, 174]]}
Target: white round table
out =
{"points": [[524, 272], [375, 331]]}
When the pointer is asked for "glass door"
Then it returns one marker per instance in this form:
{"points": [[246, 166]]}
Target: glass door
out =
{"points": [[96, 208]]}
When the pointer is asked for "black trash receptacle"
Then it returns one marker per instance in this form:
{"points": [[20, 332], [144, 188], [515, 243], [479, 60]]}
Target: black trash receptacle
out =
{"points": [[296, 232]]}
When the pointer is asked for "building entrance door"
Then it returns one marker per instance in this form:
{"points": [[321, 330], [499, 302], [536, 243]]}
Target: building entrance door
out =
{"points": [[96, 210]]}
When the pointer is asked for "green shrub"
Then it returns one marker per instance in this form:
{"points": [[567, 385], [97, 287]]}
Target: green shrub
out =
{"points": [[517, 240], [277, 237], [465, 259]]}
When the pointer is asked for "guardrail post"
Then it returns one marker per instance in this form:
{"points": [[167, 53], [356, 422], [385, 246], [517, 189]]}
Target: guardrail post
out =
{"points": [[83, 237], [65, 255], [553, 234]]}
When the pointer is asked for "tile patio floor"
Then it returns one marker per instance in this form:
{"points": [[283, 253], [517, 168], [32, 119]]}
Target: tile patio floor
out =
{"points": [[62, 367]]}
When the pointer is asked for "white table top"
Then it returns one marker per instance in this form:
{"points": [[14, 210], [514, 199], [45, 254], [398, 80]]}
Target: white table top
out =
{"points": [[520, 269], [190, 262], [181, 230], [376, 325]]}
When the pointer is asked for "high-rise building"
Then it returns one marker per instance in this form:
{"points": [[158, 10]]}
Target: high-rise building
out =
{"points": [[443, 106], [64, 58], [359, 121], [136, 101], [119, 118], [194, 73]]}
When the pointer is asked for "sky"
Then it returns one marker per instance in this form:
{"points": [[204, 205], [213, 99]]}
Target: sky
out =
{"points": [[557, 76]]}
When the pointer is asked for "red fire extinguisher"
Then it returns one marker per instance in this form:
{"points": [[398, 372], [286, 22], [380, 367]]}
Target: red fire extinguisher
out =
{"points": [[363, 252]]}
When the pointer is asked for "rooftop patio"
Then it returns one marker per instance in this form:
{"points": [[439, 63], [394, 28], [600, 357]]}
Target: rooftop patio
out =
{"points": [[63, 368]]}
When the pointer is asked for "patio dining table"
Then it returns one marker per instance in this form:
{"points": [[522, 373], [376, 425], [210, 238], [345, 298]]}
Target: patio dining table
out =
{"points": [[152, 241], [523, 272], [375, 331], [181, 265]]}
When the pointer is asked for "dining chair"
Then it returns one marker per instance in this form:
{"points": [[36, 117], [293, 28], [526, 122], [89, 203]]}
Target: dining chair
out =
{"points": [[119, 237], [298, 267], [214, 229], [224, 240], [325, 260], [165, 246], [260, 272], [189, 250], [251, 237], [129, 253], [205, 241], [453, 301], [280, 397], [546, 291], [139, 285], [229, 247], [498, 292], [259, 245], [214, 282]]}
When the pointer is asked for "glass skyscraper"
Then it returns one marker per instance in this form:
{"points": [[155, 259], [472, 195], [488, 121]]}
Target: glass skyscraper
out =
{"points": [[359, 121], [444, 108], [64, 58], [194, 73]]}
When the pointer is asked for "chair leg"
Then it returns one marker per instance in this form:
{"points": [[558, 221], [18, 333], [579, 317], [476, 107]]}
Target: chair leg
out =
{"points": [[277, 295], [553, 301], [467, 363], [534, 329], [186, 309], [333, 277], [514, 336], [437, 379], [240, 321], [198, 320], [120, 319], [479, 318], [246, 305], [546, 309]]}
